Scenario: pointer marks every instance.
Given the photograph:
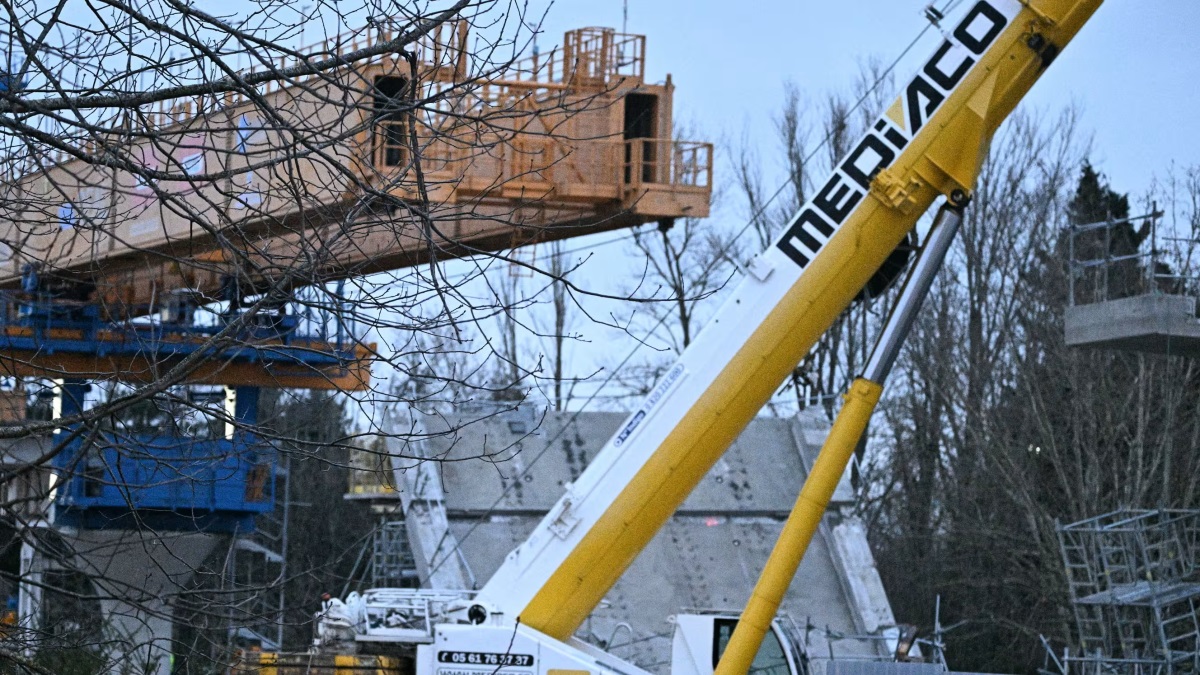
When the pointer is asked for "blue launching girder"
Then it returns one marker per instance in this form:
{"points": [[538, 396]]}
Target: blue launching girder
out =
{"points": [[111, 477], [123, 480], [44, 337], [138, 481]]}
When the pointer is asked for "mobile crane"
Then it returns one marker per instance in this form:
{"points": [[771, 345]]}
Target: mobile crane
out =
{"points": [[931, 141]]}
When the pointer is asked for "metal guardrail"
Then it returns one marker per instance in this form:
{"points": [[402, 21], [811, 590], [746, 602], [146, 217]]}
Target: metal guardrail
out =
{"points": [[318, 331], [627, 163], [1105, 264]]}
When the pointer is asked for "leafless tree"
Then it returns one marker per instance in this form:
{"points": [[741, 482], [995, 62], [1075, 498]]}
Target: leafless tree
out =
{"points": [[287, 185], [812, 138], [996, 429]]}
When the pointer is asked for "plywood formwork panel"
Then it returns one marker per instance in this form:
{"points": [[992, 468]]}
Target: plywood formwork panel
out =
{"points": [[234, 187]]}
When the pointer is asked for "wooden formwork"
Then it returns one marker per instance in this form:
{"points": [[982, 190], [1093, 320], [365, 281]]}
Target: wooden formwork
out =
{"points": [[323, 178]]}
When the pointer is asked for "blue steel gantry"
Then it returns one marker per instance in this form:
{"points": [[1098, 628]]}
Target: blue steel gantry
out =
{"points": [[118, 477]]}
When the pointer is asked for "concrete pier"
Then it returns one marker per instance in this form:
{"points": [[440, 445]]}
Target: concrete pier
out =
{"points": [[1154, 323], [135, 576]]}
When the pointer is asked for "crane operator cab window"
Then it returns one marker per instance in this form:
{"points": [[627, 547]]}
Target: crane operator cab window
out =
{"points": [[701, 639], [771, 658]]}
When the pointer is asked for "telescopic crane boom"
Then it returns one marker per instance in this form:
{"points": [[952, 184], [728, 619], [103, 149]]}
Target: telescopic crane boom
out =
{"points": [[930, 142]]}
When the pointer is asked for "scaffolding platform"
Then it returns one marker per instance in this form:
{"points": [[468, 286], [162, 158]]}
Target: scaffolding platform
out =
{"points": [[1129, 292], [1143, 593], [1134, 579]]}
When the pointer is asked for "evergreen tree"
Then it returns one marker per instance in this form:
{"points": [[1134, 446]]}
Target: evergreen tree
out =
{"points": [[326, 530], [1095, 203]]}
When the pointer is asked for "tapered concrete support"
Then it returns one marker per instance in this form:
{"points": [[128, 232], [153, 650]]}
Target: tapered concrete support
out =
{"points": [[29, 594], [440, 563], [136, 574], [138, 637], [140, 572]]}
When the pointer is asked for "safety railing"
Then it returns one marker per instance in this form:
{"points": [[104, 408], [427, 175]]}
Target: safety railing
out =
{"points": [[1131, 546], [544, 159], [323, 329], [1127, 257], [587, 57], [1075, 663], [371, 473], [667, 162], [435, 50], [403, 614]]}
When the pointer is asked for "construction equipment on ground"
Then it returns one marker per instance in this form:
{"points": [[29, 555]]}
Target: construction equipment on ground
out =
{"points": [[930, 142]]}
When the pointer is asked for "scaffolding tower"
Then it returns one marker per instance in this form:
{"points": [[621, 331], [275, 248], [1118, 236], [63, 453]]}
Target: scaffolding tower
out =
{"points": [[1134, 580], [392, 561]]}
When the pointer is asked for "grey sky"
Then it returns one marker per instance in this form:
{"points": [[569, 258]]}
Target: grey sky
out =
{"points": [[1134, 70]]}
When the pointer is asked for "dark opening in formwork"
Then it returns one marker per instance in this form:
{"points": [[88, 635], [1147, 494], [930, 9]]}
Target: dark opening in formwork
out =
{"points": [[641, 123], [391, 117]]}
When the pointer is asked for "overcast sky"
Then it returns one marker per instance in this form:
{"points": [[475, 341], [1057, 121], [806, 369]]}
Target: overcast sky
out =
{"points": [[1134, 69]]}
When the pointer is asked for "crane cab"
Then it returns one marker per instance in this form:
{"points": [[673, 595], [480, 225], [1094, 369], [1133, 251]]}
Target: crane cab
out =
{"points": [[700, 640]]}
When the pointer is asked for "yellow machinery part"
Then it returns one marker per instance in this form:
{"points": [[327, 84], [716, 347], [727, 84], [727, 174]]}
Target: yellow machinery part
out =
{"points": [[945, 158], [269, 663], [800, 527]]}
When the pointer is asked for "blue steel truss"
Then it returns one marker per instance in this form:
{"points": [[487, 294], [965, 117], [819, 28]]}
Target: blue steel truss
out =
{"points": [[311, 341], [116, 479]]}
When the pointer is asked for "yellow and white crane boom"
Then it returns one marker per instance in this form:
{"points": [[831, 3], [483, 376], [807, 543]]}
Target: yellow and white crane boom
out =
{"points": [[848, 428], [931, 141]]}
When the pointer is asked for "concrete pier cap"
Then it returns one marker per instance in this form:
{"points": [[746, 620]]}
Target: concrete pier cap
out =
{"points": [[1153, 323]]}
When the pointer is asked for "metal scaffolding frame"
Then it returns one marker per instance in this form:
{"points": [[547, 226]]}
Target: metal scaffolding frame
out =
{"points": [[1134, 580]]}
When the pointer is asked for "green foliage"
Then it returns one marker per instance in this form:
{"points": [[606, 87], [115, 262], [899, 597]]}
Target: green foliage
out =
{"points": [[1094, 200]]}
